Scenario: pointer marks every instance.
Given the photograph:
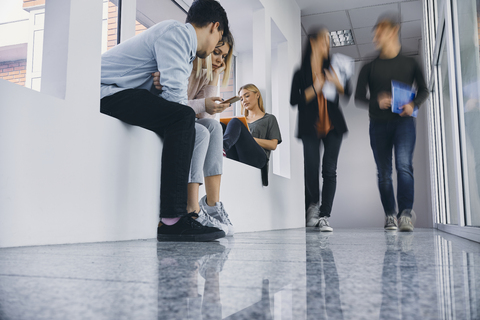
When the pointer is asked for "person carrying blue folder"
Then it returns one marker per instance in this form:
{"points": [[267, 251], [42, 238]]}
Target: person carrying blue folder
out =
{"points": [[390, 130]]}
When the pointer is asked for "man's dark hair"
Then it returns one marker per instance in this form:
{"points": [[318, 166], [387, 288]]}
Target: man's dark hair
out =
{"points": [[203, 12]]}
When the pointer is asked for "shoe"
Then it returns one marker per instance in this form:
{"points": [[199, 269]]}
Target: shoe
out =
{"points": [[218, 212], [324, 225], [313, 213], [391, 222], [406, 224], [407, 220], [188, 229], [208, 221]]}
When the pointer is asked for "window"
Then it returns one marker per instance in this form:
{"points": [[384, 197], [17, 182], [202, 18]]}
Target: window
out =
{"points": [[21, 43]]}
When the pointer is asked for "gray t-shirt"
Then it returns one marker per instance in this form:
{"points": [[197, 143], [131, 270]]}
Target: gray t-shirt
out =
{"points": [[266, 128]]}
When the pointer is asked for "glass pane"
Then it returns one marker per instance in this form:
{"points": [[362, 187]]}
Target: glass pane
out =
{"points": [[21, 41], [468, 13], [449, 154], [109, 25]]}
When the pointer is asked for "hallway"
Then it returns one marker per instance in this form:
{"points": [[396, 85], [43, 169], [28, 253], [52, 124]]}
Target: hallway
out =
{"points": [[287, 274]]}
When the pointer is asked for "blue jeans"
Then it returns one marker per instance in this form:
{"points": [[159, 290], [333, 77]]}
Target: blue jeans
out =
{"points": [[398, 135]]}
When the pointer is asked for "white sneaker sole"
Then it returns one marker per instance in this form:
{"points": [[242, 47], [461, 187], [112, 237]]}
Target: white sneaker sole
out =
{"points": [[326, 229]]}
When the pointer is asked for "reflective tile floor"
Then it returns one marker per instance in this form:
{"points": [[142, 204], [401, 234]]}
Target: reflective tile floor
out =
{"points": [[288, 274]]}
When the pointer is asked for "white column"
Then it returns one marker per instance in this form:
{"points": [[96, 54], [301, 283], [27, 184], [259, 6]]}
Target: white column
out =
{"points": [[262, 60]]}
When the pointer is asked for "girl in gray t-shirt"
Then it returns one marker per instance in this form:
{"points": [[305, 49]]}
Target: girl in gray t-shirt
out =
{"points": [[252, 145]]}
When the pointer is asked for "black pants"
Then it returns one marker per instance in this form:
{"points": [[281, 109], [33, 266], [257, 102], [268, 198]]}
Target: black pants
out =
{"points": [[239, 145], [173, 122], [311, 159]]}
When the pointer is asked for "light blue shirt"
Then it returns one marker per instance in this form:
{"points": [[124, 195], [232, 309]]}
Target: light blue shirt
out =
{"points": [[169, 47]]}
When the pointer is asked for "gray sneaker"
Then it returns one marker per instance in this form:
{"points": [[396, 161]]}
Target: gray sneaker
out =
{"points": [[407, 219], [218, 212], [208, 221], [391, 222], [324, 225], [313, 213]]}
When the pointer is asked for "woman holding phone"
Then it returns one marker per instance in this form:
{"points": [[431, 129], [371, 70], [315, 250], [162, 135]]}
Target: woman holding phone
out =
{"points": [[316, 87], [207, 158], [252, 145]]}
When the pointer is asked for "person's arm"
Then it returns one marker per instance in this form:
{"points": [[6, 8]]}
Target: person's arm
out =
{"points": [[267, 144], [422, 90], [361, 90], [172, 51]]}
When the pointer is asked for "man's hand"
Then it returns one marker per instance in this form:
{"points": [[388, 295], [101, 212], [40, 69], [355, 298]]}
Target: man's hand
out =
{"points": [[384, 100], [156, 80], [211, 107], [407, 110]]}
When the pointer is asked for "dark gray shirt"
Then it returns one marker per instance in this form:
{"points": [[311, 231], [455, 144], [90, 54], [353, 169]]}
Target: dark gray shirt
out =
{"points": [[266, 128]]}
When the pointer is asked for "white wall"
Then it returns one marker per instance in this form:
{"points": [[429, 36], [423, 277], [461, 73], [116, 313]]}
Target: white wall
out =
{"points": [[70, 174]]}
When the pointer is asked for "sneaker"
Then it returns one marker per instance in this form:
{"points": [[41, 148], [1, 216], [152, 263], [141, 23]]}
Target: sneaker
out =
{"points": [[391, 222], [313, 213], [406, 224], [209, 221], [324, 225], [407, 220], [188, 229], [218, 212]]}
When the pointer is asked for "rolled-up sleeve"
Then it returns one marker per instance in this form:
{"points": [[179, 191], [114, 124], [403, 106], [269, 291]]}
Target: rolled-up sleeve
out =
{"points": [[172, 51]]}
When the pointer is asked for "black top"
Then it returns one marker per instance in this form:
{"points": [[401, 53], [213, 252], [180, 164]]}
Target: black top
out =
{"points": [[266, 128], [378, 75], [308, 112]]}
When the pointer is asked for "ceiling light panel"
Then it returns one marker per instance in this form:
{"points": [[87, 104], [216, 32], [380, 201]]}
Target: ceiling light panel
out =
{"points": [[341, 38]]}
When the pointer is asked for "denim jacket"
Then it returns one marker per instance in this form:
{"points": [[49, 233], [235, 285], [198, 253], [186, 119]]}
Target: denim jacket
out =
{"points": [[169, 47]]}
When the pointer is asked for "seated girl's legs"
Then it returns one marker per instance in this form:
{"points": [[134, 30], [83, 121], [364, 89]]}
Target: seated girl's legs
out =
{"points": [[213, 166], [240, 145], [195, 177]]}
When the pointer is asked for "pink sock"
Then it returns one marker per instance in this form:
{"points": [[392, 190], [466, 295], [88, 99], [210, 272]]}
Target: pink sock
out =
{"points": [[170, 221]]}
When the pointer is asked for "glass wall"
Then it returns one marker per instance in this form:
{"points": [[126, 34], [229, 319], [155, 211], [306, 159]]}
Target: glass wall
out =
{"points": [[452, 47], [468, 26]]}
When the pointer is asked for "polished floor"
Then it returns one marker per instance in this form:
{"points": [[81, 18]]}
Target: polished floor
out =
{"points": [[287, 274]]}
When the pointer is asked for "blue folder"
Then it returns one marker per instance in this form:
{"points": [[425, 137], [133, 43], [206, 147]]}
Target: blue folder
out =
{"points": [[401, 95]]}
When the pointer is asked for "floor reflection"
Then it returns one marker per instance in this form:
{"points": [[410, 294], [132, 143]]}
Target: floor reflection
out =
{"points": [[399, 294], [278, 275], [323, 289]]}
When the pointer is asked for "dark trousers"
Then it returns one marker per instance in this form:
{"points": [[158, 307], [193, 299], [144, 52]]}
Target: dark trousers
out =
{"points": [[311, 160], [398, 135], [239, 145], [173, 122]]}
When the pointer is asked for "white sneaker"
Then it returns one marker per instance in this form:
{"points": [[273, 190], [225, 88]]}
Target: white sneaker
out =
{"points": [[313, 213], [206, 220], [324, 225], [218, 212]]}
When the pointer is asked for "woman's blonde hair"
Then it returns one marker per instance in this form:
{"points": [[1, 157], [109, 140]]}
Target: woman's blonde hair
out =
{"points": [[252, 88], [228, 39]]}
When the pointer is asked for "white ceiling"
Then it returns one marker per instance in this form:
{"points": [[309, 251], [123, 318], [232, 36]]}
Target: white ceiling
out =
{"points": [[357, 15], [360, 17]]}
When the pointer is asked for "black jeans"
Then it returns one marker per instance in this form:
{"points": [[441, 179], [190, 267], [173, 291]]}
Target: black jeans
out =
{"points": [[173, 122], [239, 145], [311, 159]]}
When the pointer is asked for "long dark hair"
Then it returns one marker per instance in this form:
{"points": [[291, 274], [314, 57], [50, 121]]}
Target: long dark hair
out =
{"points": [[313, 34]]}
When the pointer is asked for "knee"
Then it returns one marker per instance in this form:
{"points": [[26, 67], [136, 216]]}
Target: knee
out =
{"points": [[235, 122], [329, 171], [201, 134], [384, 176], [213, 126], [188, 118]]}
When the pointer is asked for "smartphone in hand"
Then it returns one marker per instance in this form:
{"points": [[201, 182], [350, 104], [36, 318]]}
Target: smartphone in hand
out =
{"points": [[231, 100]]}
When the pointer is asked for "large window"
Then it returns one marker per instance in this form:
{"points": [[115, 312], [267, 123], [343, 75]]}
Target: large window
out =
{"points": [[468, 12], [21, 41]]}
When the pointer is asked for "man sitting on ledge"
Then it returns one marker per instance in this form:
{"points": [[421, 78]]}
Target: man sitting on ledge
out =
{"points": [[169, 47]]}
